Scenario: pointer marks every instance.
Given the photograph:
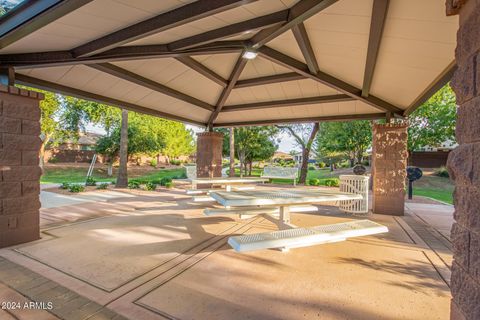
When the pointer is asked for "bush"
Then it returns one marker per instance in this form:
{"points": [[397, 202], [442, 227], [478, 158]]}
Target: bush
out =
{"points": [[321, 165], [311, 167], [103, 186], [169, 185], [53, 160], [332, 182], [153, 162], [91, 181], [175, 162], [442, 172], [183, 175], [65, 185], [150, 186], [76, 188], [165, 180], [314, 182], [133, 184]]}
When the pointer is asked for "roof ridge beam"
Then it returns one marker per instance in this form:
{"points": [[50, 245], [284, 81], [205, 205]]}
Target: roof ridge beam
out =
{"points": [[377, 24], [167, 20], [203, 70], [231, 30], [150, 84], [326, 79], [69, 91], [298, 13], [287, 103], [237, 70]]}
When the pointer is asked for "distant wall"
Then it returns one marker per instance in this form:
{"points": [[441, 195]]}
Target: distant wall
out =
{"points": [[71, 155], [428, 159]]}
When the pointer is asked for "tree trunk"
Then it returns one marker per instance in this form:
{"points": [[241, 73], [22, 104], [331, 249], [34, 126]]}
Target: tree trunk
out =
{"points": [[306, 154], [250, 168], [232, 152], [41, 153], [110, 168], [352, 162], [122, 178]]}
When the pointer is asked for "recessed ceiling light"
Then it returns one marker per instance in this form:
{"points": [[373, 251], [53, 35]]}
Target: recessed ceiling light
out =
{"points": [[249, 54]]}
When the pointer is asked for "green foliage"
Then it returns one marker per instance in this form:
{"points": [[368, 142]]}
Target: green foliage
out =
{"points": [[175, 162], [311, 167], [434, 122], [103, 186], [91, 181], [65, 185], [321, 164], [314, 182], [339, 140], [442, 172], [133, 184], [153, 162], [169, 185], [332, 182], [150, 186], [76, 188], [165, 180], [53, 160]]}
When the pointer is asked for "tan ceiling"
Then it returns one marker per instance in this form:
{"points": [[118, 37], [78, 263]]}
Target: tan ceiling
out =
{"points": [[416, 48]]}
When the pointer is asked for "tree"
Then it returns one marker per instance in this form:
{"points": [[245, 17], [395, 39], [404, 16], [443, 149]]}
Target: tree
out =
{"points": [[177, 139], [49, 127], [122, 178], [433, 123], [351, 138], [232, 151], [304, 135]]}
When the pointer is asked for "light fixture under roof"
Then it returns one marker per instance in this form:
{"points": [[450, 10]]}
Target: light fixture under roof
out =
{"points": [[249, 54]]}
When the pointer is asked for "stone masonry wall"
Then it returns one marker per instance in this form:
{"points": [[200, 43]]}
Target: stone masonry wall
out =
{"points": [[464, 164], [209, 154], [19, 165], [389, 163]]}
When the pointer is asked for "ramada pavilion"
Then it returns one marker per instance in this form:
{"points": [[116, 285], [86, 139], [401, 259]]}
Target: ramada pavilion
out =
{"points": [[229, 63]]}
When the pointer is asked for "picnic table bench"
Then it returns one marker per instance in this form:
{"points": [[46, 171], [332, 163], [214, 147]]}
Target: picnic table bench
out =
{"points": [[281, 173]]}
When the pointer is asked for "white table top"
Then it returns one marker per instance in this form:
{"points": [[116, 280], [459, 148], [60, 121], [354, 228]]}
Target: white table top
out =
{"points": [[280, 197], [228, 180]]}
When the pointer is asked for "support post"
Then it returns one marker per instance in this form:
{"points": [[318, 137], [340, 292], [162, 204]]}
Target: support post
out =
{"points": [[19, 165], [464, 164], [389, 164], [209, 154]]}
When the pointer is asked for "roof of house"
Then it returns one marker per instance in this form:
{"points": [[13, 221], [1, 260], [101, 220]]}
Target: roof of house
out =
{"points": [[317, 59]]}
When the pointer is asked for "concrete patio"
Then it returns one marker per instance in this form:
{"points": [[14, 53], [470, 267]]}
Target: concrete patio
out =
{"points": [[153, 255]]}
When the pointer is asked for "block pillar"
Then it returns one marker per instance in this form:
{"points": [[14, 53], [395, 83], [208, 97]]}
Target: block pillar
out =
{"points": [[209, 154], [464, 164], [389, 164], [19, 165]]}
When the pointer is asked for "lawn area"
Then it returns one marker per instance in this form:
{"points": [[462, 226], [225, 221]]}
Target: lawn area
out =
{"points": [[77, 174], [434, 187]]}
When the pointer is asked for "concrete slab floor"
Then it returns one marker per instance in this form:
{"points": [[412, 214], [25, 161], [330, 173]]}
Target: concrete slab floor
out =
{"points": [[155, 256]]}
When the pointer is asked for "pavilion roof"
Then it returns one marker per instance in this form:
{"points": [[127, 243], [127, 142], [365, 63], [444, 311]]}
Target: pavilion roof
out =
{"points": [[179, 59]]}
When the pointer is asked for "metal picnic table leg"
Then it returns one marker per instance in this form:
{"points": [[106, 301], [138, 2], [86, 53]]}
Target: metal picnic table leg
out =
{"points": [[228, 188], [285, 214]]}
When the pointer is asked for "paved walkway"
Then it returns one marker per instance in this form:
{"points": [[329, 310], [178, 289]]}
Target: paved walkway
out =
{"points": [[144, 255]]}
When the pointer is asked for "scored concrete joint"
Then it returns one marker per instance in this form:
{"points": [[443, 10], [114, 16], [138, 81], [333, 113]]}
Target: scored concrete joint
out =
{"points": [[19, 165]]}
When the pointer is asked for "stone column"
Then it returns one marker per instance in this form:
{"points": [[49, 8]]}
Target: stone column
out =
{"points": [[464, 164], [389, 164], [209, 154], [19, 165]]}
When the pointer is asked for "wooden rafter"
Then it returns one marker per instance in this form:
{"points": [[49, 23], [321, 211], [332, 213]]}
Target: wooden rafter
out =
{"points": [[303, 41], [69, 91], [379, 14], [284, 77], [326, 79], [203, 70], [150, 84], [174, 18]]}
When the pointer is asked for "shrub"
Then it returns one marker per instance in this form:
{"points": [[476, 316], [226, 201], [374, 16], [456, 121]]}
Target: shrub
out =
{"points": [[153, 162], [183, 175], [332, 182], [321, 164], [76, 188], [165, 180], [175, 162], [314, 182], [169, 185], [65, 185], [133, 184], [53, 160], [91, 181], [103, 186], [442, 172], [311, 167], [150, 186]]}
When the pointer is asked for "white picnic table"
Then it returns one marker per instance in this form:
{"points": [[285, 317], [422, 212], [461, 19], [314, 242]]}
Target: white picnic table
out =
{"points": [[281, 198], [226, 181]]}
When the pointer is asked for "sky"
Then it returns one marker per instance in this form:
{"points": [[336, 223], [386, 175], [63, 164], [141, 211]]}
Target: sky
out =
{"points": [[286, 142]]}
